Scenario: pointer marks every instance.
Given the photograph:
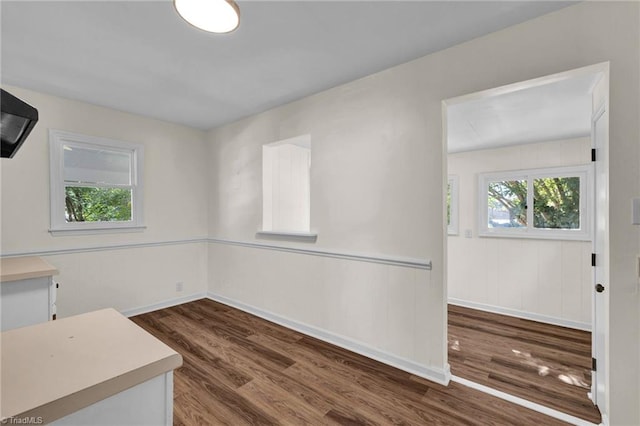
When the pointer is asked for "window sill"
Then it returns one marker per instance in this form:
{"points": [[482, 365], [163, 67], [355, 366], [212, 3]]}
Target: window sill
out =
{"points": [[95, 231], [304, 237]]}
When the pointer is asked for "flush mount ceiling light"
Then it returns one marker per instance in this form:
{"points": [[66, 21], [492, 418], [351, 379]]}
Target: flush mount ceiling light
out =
{"points": [[214, 16]]}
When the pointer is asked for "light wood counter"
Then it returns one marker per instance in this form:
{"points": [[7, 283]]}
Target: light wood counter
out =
{"points": [[59, 367], [23, 268]]}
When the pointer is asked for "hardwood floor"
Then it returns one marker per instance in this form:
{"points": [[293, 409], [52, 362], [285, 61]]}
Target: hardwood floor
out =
{"points": [[240, 369], [539, 362]]}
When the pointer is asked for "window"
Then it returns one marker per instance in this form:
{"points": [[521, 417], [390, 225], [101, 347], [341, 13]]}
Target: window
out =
{"points": [[541, 203], [286, 167], [452, 205], [96, 183]]}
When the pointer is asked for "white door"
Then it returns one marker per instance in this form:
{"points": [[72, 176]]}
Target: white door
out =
{"points": [[601, 269]]}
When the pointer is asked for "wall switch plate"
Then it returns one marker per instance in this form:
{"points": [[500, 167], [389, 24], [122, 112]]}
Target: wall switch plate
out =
{"points": [[635, 211], [638, 273], [468, 233]]}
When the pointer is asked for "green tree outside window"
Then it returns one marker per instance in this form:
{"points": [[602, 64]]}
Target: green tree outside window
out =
{"points": [[556, 203], [90, 204]]}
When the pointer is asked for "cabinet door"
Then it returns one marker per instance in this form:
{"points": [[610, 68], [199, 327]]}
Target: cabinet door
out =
{"points": [[25, 302]]}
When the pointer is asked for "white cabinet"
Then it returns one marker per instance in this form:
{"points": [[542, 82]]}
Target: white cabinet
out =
{"points": [[26, 302], [97, 368], [27, 292], [124, 408]]}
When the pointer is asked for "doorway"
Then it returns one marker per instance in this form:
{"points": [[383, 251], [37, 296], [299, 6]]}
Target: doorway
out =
{"points": [[526, 212]]}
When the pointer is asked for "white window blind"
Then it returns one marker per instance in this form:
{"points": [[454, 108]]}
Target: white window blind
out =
{"points": [[97, 166]]}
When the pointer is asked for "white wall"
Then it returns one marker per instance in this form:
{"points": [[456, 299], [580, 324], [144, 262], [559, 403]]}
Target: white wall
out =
{"points": [[175, 210], [539, 279], [363, 201], [377, 181]]}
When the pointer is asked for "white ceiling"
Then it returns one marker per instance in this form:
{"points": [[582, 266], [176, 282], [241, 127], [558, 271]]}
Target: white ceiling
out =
{"points": [[141, 57], [554, 111]]}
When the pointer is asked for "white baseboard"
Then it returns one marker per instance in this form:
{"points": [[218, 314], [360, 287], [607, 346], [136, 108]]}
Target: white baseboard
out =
{"points": [[164, 304], [523, 402], [441, 376], [521, 314]]}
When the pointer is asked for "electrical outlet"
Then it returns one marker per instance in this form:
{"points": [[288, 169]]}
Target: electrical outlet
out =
{"points": [[468, 233], [179, 286]]}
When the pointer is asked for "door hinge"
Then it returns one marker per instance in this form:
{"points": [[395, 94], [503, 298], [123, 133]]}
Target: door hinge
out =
{"points": [[594, 364], [593, 259], [593, 154]]}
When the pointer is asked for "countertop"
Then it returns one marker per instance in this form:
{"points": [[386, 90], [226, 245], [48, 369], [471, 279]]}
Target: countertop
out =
{"points": [[56, 368], [22, 268]]}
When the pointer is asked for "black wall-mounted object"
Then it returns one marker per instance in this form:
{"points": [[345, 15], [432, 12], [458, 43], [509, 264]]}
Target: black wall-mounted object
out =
{"points": [[16, 122]]}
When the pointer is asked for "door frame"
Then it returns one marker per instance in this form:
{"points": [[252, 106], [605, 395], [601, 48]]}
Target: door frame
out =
{"points": [[600, 301], [600, 207]]}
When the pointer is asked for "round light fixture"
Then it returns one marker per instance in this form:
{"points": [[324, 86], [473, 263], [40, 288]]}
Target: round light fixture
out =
{"points": [[214, 16]]}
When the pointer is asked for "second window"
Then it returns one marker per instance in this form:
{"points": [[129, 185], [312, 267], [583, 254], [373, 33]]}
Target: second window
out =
{"points": [[539, 203]]}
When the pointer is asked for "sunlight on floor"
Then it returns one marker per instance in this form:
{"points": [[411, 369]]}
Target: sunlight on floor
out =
{"points": [[562, 373], [455, 345]]}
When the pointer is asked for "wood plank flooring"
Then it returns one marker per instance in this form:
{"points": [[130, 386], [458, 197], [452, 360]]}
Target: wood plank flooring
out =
{"points": [[239, 369], [539, 362]]}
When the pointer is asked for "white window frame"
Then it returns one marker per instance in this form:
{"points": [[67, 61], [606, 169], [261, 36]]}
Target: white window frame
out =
{"points": [[454, 216], [59, 226], [584, 172]]}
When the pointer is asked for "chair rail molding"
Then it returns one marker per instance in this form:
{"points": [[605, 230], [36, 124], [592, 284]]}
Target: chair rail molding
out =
{"points": [[406, 262]]}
